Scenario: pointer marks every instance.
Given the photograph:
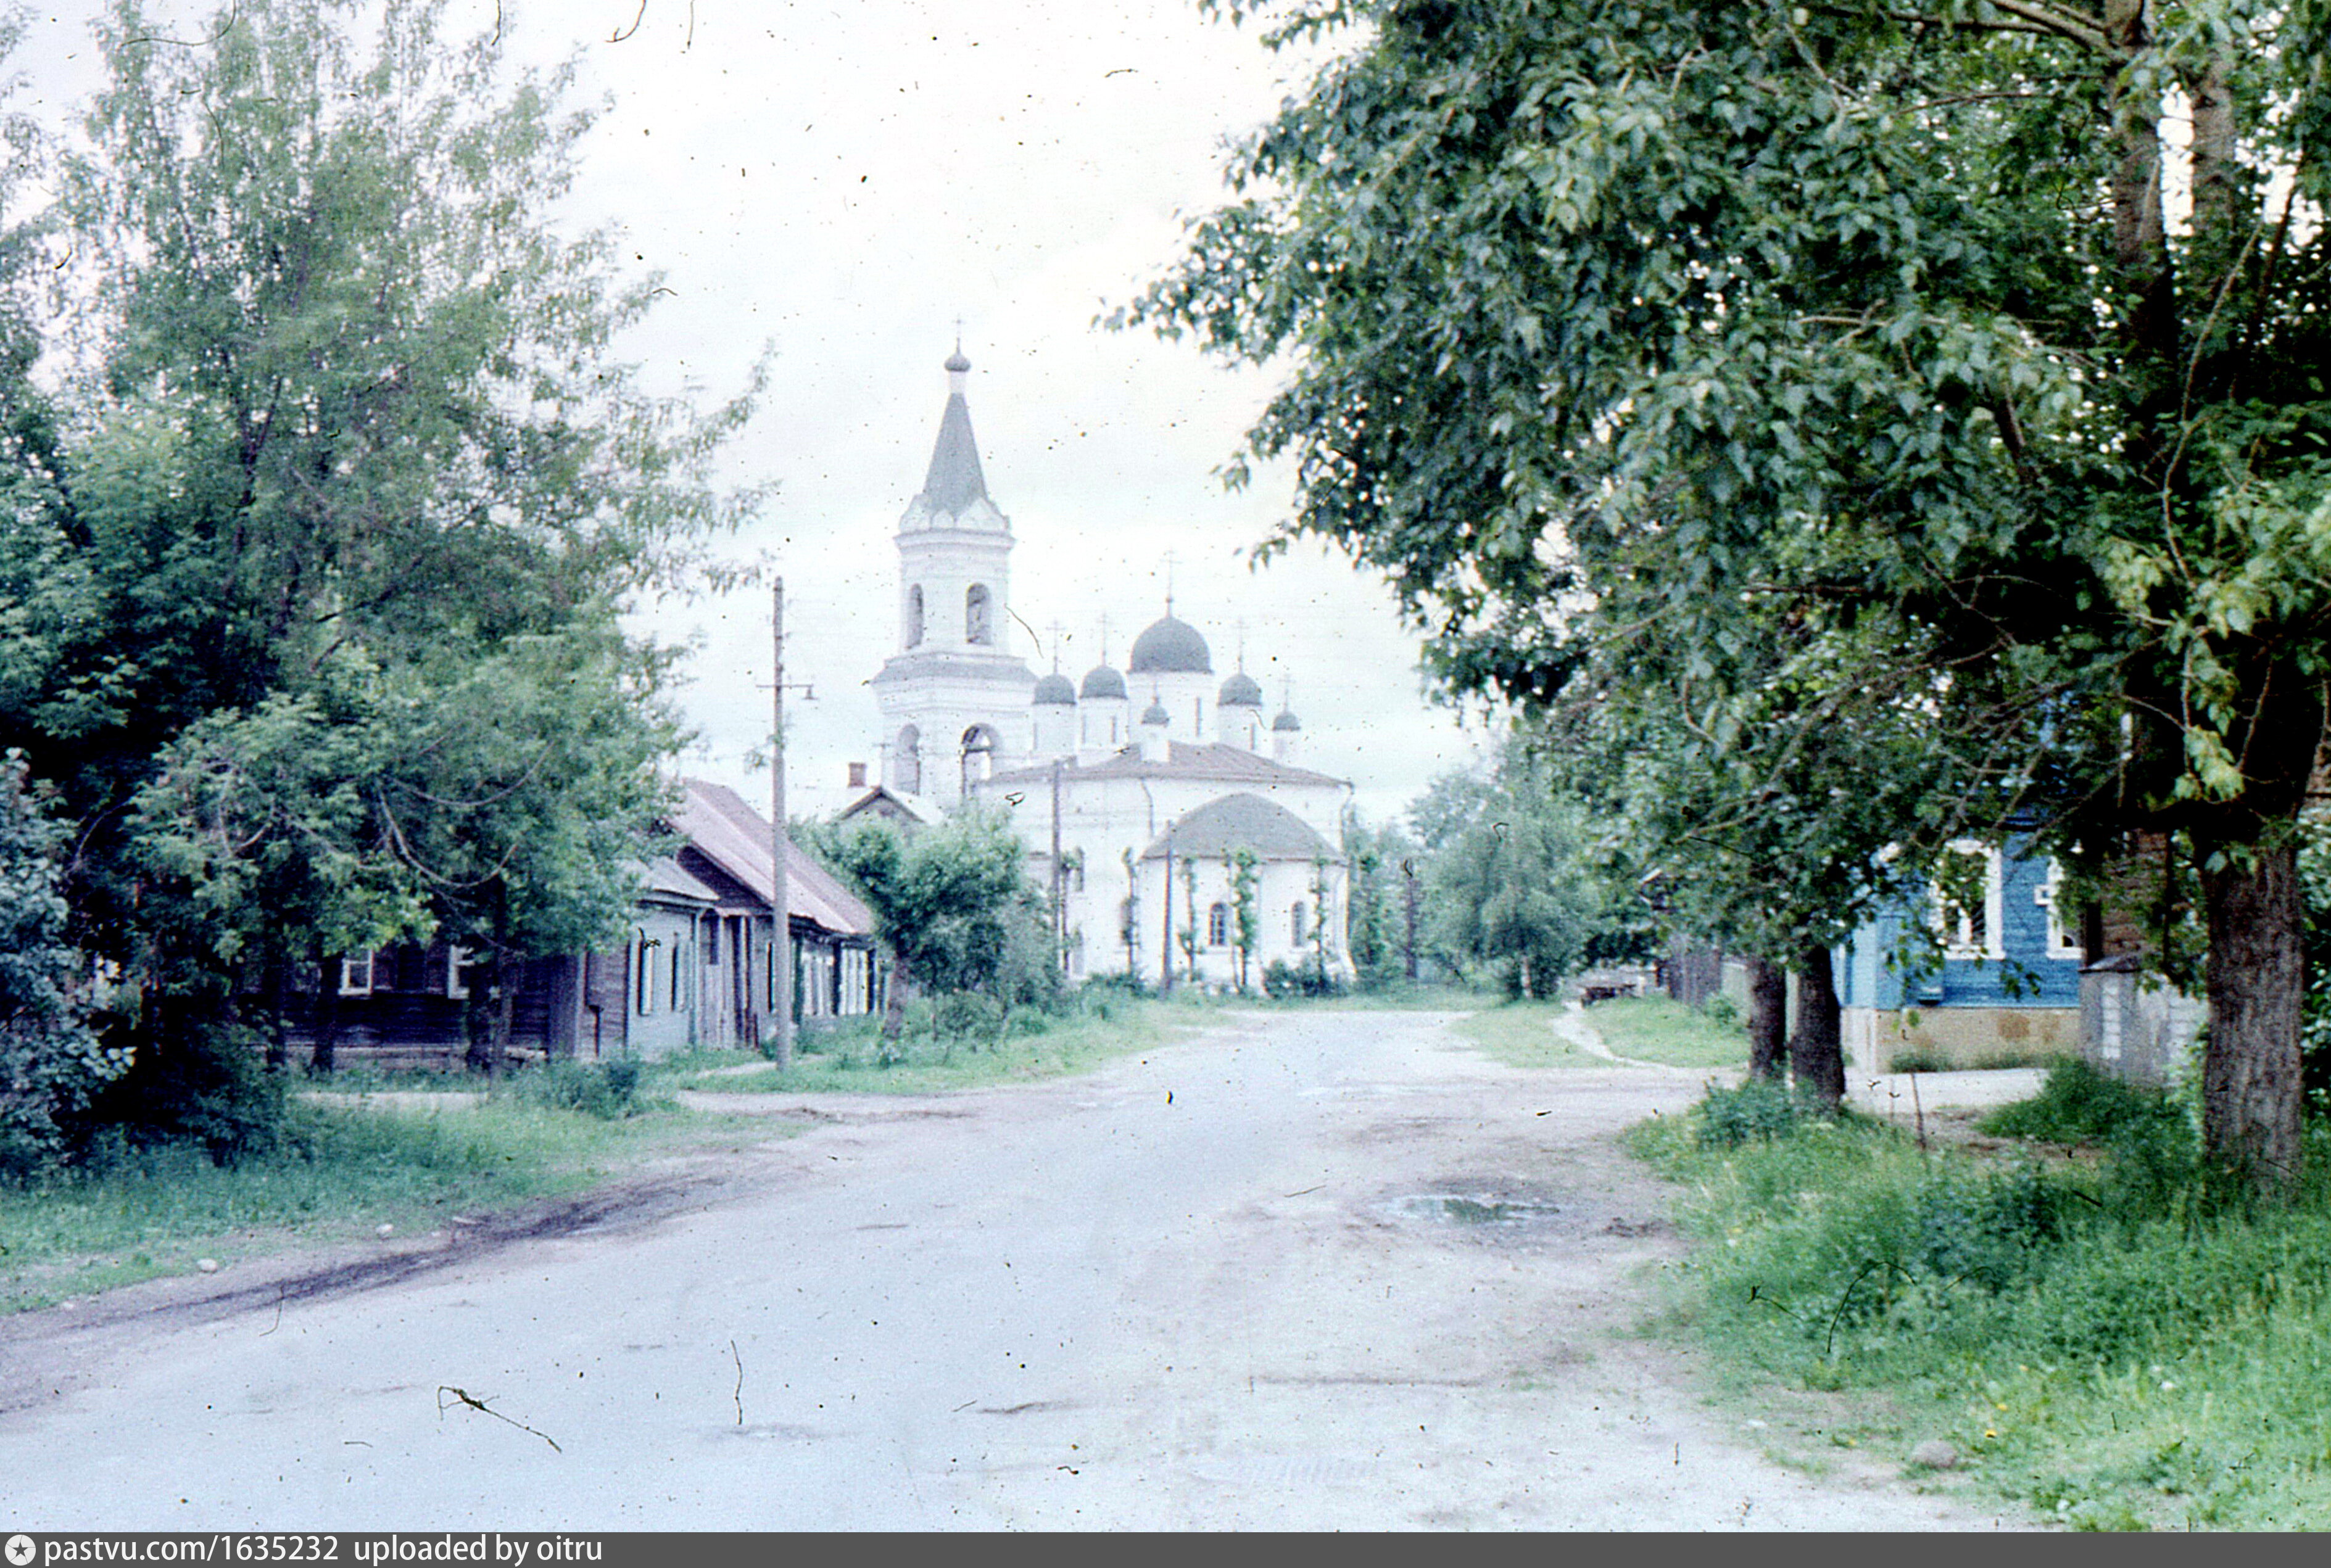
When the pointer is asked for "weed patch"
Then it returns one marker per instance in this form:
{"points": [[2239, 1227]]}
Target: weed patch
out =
{"points": [[335, 1172], [2111, 1341]]}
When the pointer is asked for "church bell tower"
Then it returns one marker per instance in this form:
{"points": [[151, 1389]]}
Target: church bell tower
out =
{"points": [[954, 698]]}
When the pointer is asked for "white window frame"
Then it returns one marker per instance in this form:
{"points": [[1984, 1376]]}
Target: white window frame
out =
{"points": [[457, 958], [2063, 941], [1958, 944], [351, 967]]}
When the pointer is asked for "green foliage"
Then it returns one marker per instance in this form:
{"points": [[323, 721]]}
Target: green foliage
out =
{"points": [[1759, 1110], [1819, 395], [1377, 862], [1282, 981], [609, 1090], [50, 1061], [954, 905], [2116, 1341], [312, 566], [2077, 1104]]}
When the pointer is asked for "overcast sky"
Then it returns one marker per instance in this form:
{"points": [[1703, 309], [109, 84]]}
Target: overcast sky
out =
{"points": [[846, 180]]}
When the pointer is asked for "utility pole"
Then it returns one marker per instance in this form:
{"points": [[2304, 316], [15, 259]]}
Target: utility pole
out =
{"points": [[781, 946], [1060, 914], [1166, 933], [1412, 892]]}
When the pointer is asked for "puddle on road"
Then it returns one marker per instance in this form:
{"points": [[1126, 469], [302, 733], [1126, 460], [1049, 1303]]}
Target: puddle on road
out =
{"points": [[1470, 1209]]}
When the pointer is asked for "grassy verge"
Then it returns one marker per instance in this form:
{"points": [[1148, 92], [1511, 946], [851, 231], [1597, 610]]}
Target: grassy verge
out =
{"points": [[853, 1059], [1522, 1034], [338, 1173], [1656, 1029], [1647, 1029], [2089, 1330]]}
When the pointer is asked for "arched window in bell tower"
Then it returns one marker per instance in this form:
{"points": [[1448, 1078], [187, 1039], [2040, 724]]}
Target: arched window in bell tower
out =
{"points": [[915, 617], [977, 628]]}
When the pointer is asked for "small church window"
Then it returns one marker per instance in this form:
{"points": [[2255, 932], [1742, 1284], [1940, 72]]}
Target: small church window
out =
{"points": [[914, 617], [1295, 927], [975, 628], [1218, 926]]}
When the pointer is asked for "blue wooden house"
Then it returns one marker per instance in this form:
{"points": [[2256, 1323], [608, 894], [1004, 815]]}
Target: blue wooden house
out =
{"points": [[1984, 971]]}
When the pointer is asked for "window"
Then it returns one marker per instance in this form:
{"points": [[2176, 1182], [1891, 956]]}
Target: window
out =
{"points": [[914, 617], [1218, 926], [975, 628], [2063, 940], [458, 963], [643, 977], [672, 975], [1966, 901], [356, 974], [1295, 927]]}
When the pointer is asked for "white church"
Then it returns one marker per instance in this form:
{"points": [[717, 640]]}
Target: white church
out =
{"points": [[1147, 783]]}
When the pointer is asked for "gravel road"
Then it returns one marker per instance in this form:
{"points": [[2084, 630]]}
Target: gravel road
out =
{"points": [[1309, 1270]]}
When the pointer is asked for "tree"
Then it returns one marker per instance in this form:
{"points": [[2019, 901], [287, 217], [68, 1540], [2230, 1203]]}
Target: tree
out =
{"points": [[1373, 861], [1246, 912], [944, 899], [315, 566], [51, 1060], [1616, 319]]}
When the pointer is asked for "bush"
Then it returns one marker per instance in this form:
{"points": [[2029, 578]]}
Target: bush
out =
{"points": [[1282, 980], [2077, 1104], [1721, 1011], [1758, 1110], [609, 1090]]}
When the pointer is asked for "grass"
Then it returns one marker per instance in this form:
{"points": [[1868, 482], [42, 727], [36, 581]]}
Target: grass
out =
{"points": [[1656, 1029], [339, 1172], [1522, 1034], [853, 1059], [1647, 1029], [2099, 1337]]}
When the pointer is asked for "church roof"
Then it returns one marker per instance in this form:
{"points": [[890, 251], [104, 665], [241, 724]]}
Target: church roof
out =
{"points": [[1156, 713], [1240, 822], [955, 482], [1230, 765], [1239, 690], [1170, 647], [1055, 688], [1101, 680], [1286, 722]]}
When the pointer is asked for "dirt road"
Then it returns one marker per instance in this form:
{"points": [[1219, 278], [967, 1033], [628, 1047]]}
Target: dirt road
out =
{"points": [[1312, 1270]]}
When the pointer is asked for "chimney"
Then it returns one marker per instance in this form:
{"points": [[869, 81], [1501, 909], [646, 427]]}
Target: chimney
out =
{"points": [[858, 776]]}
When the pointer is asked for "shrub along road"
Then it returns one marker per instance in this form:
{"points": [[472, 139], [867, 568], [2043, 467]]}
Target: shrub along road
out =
{"points": [[1309, 1269]]}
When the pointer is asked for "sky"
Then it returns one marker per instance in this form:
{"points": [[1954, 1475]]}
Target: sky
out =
{"points": [[846, 182]]}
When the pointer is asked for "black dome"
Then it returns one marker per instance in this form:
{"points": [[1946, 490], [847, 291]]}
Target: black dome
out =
{"points": [[1170, 647], [1101, 680], [1240, 691], [1055, 688], [1285, 721]]}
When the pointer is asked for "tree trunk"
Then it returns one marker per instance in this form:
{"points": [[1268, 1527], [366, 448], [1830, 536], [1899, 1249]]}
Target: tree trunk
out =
{"points": [[323, 1054], [477, 1027], [1817, 1047], [894, 1001], [2252, 1096], [279, 1000], [1768, 1020]]}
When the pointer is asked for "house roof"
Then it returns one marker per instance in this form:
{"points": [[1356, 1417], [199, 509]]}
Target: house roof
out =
{"points": [[668, 878], [734, 837], [883, 801], [1183, 760], [1240, 822]]}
